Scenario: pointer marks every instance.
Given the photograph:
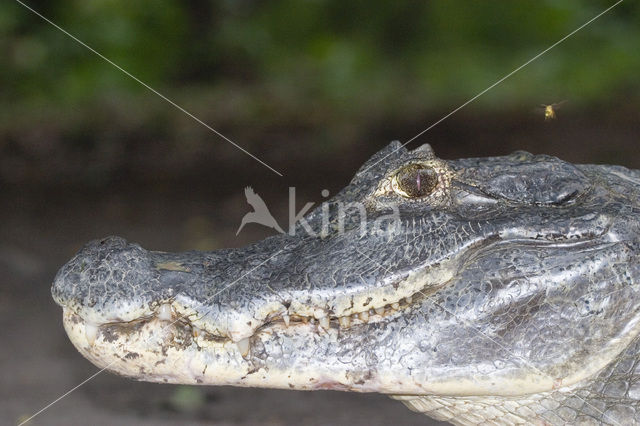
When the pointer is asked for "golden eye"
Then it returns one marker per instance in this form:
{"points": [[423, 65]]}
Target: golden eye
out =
{"points": [[416, 181]]}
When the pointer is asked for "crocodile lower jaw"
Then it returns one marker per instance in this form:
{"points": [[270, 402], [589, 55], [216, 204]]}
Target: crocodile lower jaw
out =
{"points": [[156, 350]]}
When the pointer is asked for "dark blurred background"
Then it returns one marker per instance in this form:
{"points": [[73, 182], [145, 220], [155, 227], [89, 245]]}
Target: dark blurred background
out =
{"points": [[312, 88]]}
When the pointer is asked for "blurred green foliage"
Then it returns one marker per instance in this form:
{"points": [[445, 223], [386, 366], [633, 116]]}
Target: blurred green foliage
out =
{"points": [[337, 52], [239, 63]]}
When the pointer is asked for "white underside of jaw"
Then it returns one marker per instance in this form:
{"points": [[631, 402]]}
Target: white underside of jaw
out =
{"points": [[216, 363], [160, 351]]}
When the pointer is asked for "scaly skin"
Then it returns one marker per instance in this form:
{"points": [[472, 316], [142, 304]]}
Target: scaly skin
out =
{"points": [[502, 290]]}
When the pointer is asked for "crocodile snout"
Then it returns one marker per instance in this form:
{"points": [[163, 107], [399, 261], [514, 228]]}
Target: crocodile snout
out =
{"points": [[107, 280]]}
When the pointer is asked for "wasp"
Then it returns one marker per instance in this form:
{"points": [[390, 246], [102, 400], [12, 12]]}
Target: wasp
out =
{"points": [[550, 110]]}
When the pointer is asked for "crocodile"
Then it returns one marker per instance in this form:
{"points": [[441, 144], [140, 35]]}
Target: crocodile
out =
{"points": [[498, 290]]}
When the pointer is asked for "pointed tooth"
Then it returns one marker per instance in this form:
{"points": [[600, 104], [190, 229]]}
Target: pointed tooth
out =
{"points": [[408, 299], [286, 319], [380, 311], [344, 321], [195, 331], [90, 332], [324, 322], [243, 347], [318, 314], [395, 306], [364, 316], [164, 312]]}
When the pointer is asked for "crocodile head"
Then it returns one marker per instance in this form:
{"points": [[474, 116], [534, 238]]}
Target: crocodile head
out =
{"points": [[501, 277]]}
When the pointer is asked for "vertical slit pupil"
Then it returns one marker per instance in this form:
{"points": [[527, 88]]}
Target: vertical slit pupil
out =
{"points": [[417, 180]]}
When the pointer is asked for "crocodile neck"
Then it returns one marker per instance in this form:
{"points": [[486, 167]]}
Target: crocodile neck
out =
{"points": [[610, 398]]}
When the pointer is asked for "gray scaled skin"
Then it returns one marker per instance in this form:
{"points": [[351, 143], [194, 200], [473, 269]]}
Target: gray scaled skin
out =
{"points": [[501, 290]]}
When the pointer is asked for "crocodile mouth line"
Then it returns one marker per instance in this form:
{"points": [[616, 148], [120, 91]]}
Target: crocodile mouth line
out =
{"points": [[168, 313], [181, 327], [167, 316]]}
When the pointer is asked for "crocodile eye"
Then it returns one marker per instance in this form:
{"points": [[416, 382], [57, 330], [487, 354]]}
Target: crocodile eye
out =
{"points": [[416, 181]]}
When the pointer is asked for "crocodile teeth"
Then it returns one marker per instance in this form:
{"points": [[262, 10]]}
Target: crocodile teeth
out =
{"points": [[344, 321], [164, 312], [91, 332], [243, 347], [324, 322], [380, 311], [286, 320], [364, 316], [408, 299], [395, 306]]}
